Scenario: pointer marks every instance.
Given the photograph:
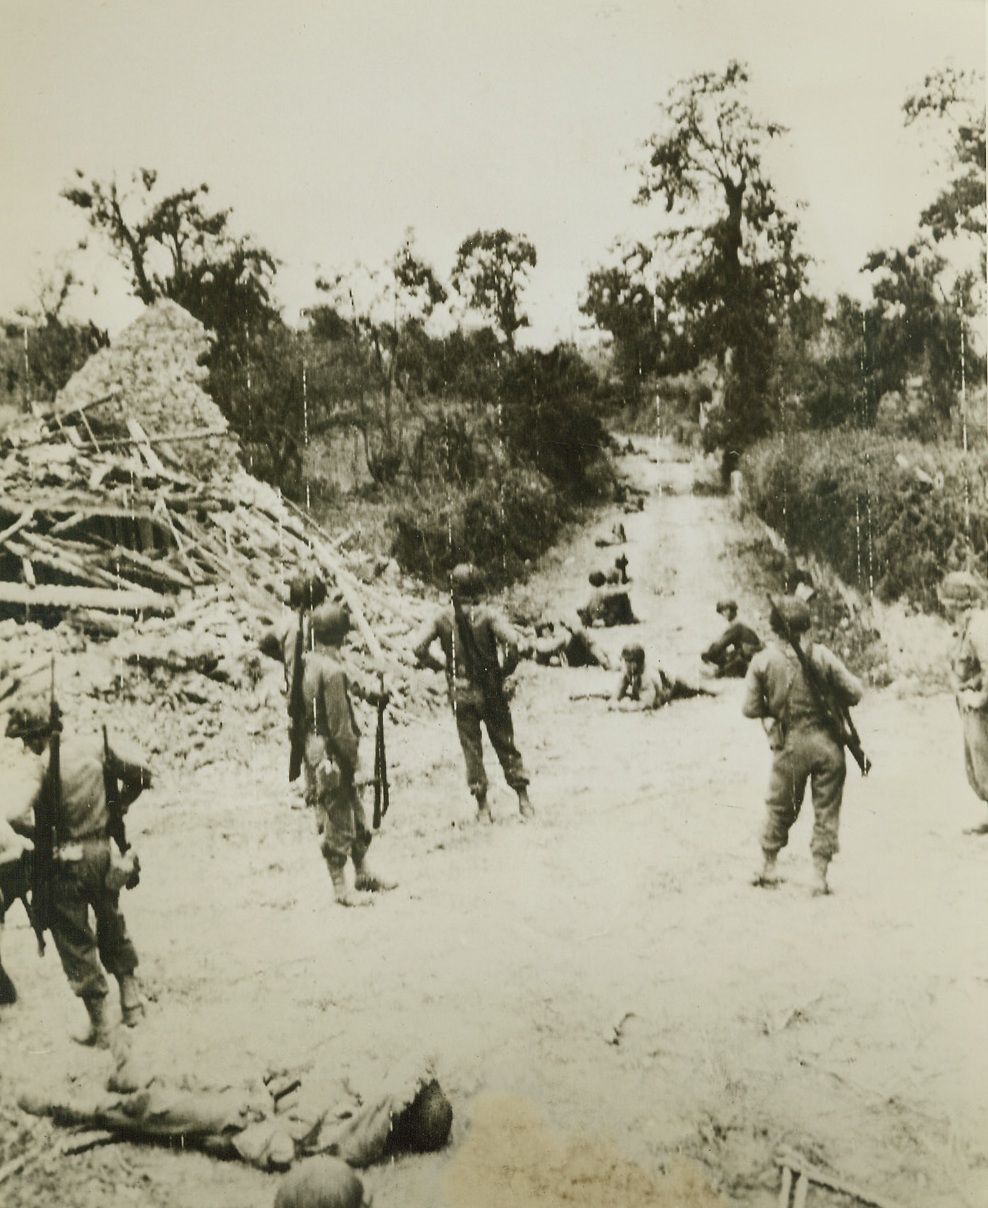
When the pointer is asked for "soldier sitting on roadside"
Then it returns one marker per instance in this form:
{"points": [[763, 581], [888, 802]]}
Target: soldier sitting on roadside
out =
{"points": [[730, 655], [563, 643], [607, 606]]}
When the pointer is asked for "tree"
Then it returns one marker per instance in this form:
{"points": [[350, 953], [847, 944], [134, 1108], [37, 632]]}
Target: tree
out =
{"points": [[727, 250], [377, 318], [917, 328], [955, 100], [623, 299], [176, 247], [42, 349], [490, 273]]}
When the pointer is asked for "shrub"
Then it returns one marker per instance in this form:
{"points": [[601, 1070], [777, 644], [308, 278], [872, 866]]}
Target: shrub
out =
{"points": [[888, 514], [501, 524]]}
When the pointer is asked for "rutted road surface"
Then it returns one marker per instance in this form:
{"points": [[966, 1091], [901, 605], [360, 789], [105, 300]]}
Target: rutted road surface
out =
{"points": [[617, 1016]]}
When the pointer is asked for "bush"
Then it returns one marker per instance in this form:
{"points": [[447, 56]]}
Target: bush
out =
{"points": [[888, 514], [500, 524]]}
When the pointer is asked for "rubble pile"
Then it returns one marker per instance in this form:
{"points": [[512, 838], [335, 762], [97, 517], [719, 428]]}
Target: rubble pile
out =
{"points": [[126, 516]]}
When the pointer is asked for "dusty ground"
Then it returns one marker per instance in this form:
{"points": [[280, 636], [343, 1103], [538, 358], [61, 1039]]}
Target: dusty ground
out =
{"points": [[617, 1016]]}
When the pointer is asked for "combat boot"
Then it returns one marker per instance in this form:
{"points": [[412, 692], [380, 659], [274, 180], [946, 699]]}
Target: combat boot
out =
{"points": [[483, 809], [767, 874], [370, 878], [820, 886], [525, 807], [98, 1036], [131, 1003], [345, 896]]}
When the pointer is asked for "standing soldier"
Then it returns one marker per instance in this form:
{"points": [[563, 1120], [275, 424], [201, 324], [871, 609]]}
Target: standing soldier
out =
{"points": [[331, 741], [469, 634], [801, 733], [96, 784], [970, 678]]}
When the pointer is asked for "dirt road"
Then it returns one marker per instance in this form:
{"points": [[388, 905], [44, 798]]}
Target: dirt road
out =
{"points": [[617, 1016]]}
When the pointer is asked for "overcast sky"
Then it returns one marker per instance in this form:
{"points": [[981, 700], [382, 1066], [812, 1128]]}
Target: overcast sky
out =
{"points": [[331, 127]]}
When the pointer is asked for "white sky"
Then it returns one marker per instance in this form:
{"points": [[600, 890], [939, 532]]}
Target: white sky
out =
{"points": [[331, 127]]}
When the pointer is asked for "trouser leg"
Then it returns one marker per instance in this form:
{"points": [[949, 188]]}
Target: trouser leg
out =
{"points": [[336, 810], [786, 788], [468, 730], [74, 938], [500, 730], [827, 784]]}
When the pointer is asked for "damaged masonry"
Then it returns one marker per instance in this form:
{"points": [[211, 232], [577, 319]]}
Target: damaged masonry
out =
{"points": [[125, 511]]}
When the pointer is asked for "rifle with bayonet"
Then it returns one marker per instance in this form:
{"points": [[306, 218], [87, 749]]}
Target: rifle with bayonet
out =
{"points": [[837, 713], [296, 703], [382, 791], [47, 807]]}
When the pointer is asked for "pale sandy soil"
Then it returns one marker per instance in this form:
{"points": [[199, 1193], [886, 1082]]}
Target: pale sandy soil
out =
{"points": [[617, 1016]]}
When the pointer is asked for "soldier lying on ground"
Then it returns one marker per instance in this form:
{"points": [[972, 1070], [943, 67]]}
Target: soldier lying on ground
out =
{"points": [[607, 606], [469, 634], [730, 655], [615, 537], [640, 690], [269, 1125], [87, 873], [563, 643]]}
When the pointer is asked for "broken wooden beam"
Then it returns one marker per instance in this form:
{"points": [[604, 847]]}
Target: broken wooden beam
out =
{"points": [[22, 521], [789, 1159], [144, 447], [131, 599]]}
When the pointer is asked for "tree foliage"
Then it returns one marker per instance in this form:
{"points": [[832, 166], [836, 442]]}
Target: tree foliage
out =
{"points": [[490, 273], [174, 246], [725, 262], [954, 100], [41, 348], [376, 320]]}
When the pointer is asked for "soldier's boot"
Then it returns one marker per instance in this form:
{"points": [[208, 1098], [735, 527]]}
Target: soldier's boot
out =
{"points": [[483, 809], [131, 1003], [345, 896], [525, 807], [371, 879], [767, 874], [98, 1036], [8, 992], [820, 885]]}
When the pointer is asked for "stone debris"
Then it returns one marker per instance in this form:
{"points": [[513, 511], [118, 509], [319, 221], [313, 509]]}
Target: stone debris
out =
{"points": [[129, 527]]}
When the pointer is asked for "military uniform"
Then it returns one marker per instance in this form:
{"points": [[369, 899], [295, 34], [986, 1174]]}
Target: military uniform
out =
{"points": [[732, 652], [608, 606], [475, 692], [567, 644], [81, 870], [332, 741], [970, 668], [803, 742]]}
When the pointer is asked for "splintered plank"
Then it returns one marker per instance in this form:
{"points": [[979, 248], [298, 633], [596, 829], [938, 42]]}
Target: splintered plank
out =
{"points": [[132, 599]]}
